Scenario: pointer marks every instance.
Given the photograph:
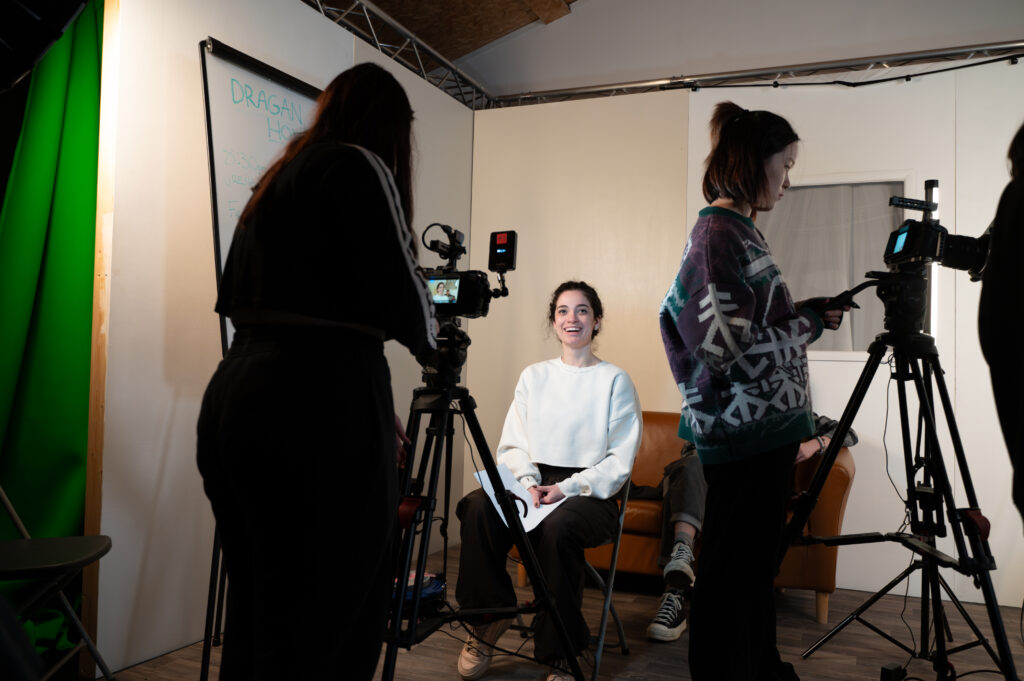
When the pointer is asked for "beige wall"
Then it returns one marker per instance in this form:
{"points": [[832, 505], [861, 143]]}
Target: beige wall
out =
{"points": [[595, 190]]}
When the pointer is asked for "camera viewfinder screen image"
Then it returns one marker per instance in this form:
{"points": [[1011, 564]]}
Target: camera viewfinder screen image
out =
{"points": [[444, 290]]}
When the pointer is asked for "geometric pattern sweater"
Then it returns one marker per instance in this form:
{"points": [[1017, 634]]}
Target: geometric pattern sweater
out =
{"points": [[736, 345]]}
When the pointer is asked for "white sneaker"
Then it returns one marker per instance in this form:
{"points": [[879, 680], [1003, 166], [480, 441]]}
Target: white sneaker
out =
{"points": [[475, 658], [670, 622], [679, 569]]}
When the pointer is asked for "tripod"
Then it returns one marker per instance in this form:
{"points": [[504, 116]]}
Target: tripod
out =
{"points": [[916, 359], [412, 618]]}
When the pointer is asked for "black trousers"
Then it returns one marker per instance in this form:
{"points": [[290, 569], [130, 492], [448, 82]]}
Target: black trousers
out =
{"points": [[296, 447], [558, 542], [732, 619]]}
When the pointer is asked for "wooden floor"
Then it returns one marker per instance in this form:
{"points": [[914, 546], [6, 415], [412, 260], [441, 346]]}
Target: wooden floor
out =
{"points": [[855, 653]]}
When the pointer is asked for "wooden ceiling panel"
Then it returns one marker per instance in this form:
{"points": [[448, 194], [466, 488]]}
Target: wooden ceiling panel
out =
{"points": [[454, 28]]}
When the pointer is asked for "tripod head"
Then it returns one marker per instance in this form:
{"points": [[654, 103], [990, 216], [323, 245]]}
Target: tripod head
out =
{"points": [[442, 368]]}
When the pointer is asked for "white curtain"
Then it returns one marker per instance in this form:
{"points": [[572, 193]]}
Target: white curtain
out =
{"points": [[824, 239]]}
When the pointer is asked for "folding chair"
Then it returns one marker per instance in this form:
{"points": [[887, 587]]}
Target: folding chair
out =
{"points": [[52, 563], [605, 587]]}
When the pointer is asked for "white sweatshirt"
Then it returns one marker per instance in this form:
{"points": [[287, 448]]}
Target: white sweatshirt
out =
{"points": [[580, 417]]}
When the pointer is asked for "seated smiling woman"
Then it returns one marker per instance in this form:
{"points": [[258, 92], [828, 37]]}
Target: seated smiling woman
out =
{"points": [[572, 432]]}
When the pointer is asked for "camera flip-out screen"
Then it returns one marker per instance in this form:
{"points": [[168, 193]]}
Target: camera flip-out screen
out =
{"points": [[444, 290]]}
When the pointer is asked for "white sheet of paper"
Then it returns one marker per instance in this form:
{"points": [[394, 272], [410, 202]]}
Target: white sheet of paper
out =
{"points": [[533, 515]]}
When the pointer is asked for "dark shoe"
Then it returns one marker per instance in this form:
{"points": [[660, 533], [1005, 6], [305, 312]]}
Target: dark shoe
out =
{"points": [[670, 622], [679, 569]]}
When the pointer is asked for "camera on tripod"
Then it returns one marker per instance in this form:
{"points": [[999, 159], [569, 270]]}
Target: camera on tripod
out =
{"points": [[460, 294], [467, 293], [923, 241]]}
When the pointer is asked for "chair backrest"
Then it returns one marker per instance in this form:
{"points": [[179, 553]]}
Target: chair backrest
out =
{"points": [[659, 447]]}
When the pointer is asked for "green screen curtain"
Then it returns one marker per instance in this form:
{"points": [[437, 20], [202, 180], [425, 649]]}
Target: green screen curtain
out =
{"points": [[47, 231]]}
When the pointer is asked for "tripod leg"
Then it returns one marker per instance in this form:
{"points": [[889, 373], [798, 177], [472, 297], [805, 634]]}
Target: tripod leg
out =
{"points": [[806, 501], [855, 615], [417, 513], [211, 598], [979, 561], [940, 658]]}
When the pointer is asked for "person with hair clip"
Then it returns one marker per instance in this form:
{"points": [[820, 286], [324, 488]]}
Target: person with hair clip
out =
{"points": [[297, 431], [572, 433], [736, 344], [1000, 325]]}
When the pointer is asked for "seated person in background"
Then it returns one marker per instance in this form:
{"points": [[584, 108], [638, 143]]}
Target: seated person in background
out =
{"points": [[571, 432], [683, 489]]}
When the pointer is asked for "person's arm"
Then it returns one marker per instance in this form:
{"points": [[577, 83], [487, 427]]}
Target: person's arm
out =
{"points": [[604, 479], [719, 323], [374, 228], [413, 294], [824, 429], [514, 446]]}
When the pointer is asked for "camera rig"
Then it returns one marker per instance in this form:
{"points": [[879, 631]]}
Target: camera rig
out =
{"points": [[460, 294], [913, 246]]}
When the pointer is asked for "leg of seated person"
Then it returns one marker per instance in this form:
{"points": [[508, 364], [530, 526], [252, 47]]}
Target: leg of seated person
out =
{"points": [[683, 512], [483, 578], [559, 541]]}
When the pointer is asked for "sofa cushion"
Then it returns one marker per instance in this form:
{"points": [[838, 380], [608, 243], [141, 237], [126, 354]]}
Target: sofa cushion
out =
{"points": [[643, 516]]}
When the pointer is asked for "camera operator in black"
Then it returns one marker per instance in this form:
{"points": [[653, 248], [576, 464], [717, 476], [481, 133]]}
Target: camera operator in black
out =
{"points": [[297, 433], [1001, 317]]}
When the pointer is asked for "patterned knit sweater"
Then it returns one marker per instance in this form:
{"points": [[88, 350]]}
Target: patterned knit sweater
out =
{"points": [[735, 343]]}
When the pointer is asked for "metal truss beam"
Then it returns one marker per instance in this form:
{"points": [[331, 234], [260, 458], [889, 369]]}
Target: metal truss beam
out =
{"points": [[369, 22]]}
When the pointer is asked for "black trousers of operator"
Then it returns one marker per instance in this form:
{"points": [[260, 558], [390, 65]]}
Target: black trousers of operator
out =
{"points": [[732, 619], [296, 448], [579, 523]]}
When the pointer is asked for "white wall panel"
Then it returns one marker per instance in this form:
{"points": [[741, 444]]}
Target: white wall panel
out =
{"points": [[164, 337]]}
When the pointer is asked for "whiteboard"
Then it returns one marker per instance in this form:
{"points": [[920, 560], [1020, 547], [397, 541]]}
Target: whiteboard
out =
{"points": [[252, 110]]}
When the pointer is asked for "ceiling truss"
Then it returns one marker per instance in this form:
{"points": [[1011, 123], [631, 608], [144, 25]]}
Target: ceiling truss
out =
{"points": [[370, 23]]}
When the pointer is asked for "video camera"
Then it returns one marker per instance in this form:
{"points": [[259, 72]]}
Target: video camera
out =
{"points": [[468, 293], [924, 241], [911, 248], [460, 294]]}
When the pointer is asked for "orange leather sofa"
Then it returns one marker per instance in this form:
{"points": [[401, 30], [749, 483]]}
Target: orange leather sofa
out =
{"points": [[805, 567]]}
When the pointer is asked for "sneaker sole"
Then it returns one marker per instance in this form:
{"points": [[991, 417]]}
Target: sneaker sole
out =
{"points": [[659, 632]]}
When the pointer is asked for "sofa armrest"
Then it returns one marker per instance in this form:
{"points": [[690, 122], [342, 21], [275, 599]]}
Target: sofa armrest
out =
{"points": [[827, 517]]}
